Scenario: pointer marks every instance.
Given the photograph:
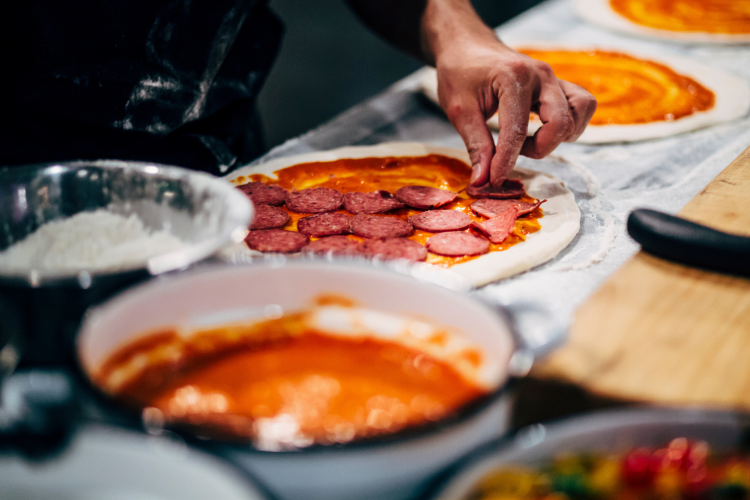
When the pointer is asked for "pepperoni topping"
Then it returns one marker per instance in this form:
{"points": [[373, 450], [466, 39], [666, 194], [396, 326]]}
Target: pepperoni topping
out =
{"points": [[276, 240], [511, 188], [492, 208], [457, 244], [325, 224], [373, 226], [336, 245], [314, 200], [436, 221], [268, 217], [425, 198], [498, 228], [264, 194], [395, 248], [371, 203]]}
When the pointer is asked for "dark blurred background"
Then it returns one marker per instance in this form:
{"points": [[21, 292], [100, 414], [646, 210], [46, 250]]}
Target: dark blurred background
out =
{"points": [[329, 62]]}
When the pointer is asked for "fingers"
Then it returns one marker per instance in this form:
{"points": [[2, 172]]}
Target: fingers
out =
{"points": [[555, 113], [471, 125], [582, 106], [514, 103]]}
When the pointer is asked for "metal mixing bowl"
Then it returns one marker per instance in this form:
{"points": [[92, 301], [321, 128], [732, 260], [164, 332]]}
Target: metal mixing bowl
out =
{"points": [[204, 212]]}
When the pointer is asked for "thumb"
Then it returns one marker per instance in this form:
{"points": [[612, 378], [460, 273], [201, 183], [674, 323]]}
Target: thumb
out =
{"points": [[472, 127]]}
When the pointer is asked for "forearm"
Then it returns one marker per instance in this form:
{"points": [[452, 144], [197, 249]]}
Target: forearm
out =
{"points": [[422, 28], [448, 25]]}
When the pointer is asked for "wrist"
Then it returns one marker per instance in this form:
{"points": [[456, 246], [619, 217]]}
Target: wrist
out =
{"points": [[452, 27]]}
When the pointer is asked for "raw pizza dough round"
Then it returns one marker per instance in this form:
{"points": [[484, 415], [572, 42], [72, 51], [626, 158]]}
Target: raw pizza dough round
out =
{"points": [[560, 223], [732, 98], [600, 12]]}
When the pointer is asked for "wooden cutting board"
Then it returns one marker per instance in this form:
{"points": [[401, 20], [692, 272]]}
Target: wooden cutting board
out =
{"points": [[665, 333]]}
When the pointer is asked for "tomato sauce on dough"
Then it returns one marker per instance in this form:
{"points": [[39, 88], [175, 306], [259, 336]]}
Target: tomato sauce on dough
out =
{"points": [[389, 174], [278, 381], [704, 16], [628, 90]]}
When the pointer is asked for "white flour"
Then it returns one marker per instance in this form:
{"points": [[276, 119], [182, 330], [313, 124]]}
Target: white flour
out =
{"points": [[89, 240]]}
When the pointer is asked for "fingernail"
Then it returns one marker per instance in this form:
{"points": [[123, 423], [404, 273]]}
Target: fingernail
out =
{"points": [[475, 173]]}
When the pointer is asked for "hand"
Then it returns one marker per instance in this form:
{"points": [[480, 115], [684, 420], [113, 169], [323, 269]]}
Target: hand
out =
{"points": [[478, 76]]}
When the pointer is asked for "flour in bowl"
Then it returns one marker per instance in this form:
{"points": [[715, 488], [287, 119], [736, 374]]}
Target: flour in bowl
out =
{"points": [[89, 240]]}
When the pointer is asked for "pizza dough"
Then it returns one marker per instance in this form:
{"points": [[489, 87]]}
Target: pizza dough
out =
{"points": [[600, 12], [559, 225], [732, 99]]}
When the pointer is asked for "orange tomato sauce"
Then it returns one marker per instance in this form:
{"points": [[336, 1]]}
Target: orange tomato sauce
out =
{"points": [[389, 174], [280, 382], [705, 16], [628, 90]]}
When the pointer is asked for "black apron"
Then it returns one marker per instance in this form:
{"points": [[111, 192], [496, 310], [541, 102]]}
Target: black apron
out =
{"points": [[170, 81]]}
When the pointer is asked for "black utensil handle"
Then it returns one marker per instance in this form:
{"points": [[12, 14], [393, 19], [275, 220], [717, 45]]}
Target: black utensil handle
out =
{"points": [[689, 243]]}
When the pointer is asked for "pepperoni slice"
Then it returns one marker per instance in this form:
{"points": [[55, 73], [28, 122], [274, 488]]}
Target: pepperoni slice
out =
{"points": [[395, 248], [492, 208], [498, 228], [264, 194], [371, 203], [335, 245], [425, 198], [373, 226], [268, 217], [457, 244], [325, 224], [276, 240], [511, 188], [314, 200], [436, 221]]}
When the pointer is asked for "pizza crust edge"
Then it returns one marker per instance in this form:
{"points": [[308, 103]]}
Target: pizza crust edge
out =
{"points": [[560, 224]]}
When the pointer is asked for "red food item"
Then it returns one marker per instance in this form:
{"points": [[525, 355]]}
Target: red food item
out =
{"points": [[635, 468], [336, 245], [678, 450], [511, 188], [276, 240], [497, 229], [268, 217], [491, 208], [457, 244], [394, 248], [697, 481], [325, 224], [314, 200], [659, 461], [437, 221], [373, 226], [264, 194], [425, 198], [697, 454], [371, 203]]}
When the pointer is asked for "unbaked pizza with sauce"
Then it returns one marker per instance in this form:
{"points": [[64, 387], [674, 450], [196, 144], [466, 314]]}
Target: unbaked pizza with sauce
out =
{"points": [[409, 201], [706, 21], [638, 96]]}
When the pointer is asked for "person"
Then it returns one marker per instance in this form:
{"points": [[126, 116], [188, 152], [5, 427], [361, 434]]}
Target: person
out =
{"points": [[175, 81]]}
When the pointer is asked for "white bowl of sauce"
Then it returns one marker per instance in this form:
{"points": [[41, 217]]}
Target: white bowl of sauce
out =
{"points": [[324, 381]]}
